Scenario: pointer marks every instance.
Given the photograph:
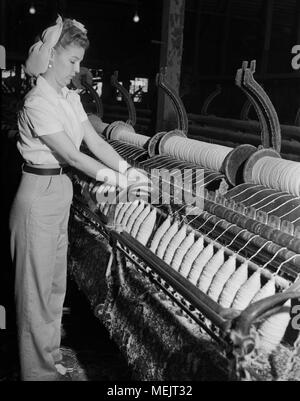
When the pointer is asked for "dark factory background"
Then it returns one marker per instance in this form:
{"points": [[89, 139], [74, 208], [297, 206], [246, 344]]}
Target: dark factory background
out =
{"points": [[218, 35]]}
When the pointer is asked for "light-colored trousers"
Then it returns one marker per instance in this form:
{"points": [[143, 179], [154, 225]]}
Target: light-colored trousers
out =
{"points": [[39, 241]]}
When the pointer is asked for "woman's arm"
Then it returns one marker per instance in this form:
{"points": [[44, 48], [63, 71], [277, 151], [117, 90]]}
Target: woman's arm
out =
{"points": [[64, 147], [103, 150], [106, 153]]}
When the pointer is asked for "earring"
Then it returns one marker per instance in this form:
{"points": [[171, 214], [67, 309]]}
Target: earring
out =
{"points": [[50, 65]]}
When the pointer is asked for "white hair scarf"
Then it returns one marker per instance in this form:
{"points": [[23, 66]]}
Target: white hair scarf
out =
{"points": [[40, 53]]}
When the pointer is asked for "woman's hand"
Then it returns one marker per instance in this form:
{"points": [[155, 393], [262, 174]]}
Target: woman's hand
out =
{"points": [[112, 177], [133, 184], [136, 176], [138, 184]]}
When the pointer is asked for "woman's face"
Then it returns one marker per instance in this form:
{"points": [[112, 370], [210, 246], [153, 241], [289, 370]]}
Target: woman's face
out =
{"points": [[66, 63]]}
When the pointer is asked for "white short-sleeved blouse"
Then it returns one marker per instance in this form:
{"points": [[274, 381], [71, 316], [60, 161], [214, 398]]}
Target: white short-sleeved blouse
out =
{"points": [[45, 112]]}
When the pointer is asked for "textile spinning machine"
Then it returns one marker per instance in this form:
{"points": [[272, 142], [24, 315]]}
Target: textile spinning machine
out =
{"points": [[189, 292]]}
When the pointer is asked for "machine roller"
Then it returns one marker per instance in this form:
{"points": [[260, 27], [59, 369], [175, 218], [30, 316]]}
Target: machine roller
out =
{"points": [[206, 295]]}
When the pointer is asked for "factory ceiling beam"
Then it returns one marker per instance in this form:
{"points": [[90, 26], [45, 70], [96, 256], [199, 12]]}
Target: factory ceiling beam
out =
{"points": [[170, 57]]}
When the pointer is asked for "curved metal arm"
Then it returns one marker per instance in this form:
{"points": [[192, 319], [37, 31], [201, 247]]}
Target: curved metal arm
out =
{"points": [[257, 310], [244, 115], [182, 119], [264, 107], [274, 130], [246, 110], [297, 118], [210, 98], [239, 79], [84, 80], [129, 103], [95, 96]]}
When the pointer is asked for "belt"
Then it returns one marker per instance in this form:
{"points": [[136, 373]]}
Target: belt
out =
{"points": [[45, 171]]}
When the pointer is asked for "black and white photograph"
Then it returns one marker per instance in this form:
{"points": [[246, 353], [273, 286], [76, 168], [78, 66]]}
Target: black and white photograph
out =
{"points": [[150, 178]]}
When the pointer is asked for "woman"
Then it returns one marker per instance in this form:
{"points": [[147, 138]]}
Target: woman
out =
{"points": [[52, 125]]}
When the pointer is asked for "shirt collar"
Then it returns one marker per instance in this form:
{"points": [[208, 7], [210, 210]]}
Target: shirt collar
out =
{"points": [[49, 92]]}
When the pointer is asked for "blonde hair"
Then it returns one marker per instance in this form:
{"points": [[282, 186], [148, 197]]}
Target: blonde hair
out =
{"points": [[72, 35]]}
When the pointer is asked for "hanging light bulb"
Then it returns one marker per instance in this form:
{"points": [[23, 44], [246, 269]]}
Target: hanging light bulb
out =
{"points": [[32, 9], [136, 17]]}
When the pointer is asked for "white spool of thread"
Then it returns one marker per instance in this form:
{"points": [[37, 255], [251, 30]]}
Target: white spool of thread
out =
{"points": [[126, 135], [206, 154], [282, 175]]}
